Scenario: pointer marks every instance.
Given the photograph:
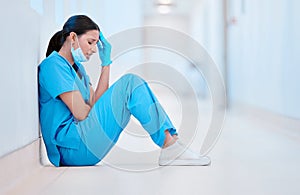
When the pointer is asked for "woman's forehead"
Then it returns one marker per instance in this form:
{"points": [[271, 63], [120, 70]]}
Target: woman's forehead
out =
{"points": [[94, 34]]}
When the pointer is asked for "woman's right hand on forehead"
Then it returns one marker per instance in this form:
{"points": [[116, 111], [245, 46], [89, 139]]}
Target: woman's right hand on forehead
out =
{"points": [[104, 50]]}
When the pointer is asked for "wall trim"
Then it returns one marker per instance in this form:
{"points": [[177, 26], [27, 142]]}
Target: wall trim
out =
{"points": [[288, 125]]}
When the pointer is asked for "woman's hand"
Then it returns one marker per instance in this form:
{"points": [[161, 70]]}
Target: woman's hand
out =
{"points": [[104, 50]]}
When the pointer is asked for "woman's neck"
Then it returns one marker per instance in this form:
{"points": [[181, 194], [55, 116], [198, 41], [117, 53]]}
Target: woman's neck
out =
{"points": [[66, 53]]}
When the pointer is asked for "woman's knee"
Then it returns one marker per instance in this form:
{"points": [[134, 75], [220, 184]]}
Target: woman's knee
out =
{"points": [[131, 76], [133, 80]]}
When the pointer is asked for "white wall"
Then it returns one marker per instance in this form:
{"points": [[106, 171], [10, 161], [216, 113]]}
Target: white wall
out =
{"points": [[207, 28], [264, 59], [19, 50], [263, 47]]}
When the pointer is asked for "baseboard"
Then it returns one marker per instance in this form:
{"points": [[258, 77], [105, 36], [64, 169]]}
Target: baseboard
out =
{"points": [[289, 125]]}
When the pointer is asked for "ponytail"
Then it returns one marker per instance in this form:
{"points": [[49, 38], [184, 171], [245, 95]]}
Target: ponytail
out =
{"points": [[55, 43]]}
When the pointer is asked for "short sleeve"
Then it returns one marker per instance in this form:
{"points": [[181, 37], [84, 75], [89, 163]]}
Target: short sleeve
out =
{"points": [[56, 78]]}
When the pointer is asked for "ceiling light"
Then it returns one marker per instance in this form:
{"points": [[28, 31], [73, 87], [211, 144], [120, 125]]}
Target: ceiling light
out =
{"points": [[164, 9], [165, 2]]}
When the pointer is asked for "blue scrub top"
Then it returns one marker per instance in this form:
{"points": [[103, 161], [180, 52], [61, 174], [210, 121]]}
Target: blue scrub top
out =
{"points": [[58, 126]]}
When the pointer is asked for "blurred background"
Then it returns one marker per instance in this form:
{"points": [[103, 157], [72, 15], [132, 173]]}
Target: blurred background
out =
{"points": [[255, 44]]}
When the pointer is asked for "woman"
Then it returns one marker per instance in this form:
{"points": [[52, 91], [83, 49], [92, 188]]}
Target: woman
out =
{"points": [[80, 125]]}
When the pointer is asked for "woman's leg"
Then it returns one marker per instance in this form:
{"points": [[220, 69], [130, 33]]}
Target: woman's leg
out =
{"points": [[111, 113], [129, 95]]}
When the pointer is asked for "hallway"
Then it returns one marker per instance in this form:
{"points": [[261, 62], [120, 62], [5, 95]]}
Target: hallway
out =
{"points": [[206, 60]]}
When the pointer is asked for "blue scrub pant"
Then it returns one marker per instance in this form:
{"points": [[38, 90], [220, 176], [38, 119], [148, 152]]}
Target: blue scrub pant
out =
{"points": [[99, 132]]}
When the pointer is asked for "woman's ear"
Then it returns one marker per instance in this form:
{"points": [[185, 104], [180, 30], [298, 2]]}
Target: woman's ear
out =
{"points": [[72, 36]]}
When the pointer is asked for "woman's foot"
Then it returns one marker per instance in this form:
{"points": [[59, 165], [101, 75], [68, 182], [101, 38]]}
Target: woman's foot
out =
{"points": [[176, 154], [169, 139]]}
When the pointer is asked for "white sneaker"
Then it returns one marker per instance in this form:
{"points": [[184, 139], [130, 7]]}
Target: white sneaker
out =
{"points": [[178, 155]]}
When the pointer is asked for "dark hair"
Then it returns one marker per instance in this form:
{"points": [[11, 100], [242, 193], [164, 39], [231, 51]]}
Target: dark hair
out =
{"points": [[79, 24]]}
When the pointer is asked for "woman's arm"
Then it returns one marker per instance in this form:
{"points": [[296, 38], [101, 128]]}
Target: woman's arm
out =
{"points": [[76, 104], [103, 83], [74, 100], [104, 51]]}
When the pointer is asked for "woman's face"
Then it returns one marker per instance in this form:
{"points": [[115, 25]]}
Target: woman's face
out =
{"points": [[87, 42]]}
